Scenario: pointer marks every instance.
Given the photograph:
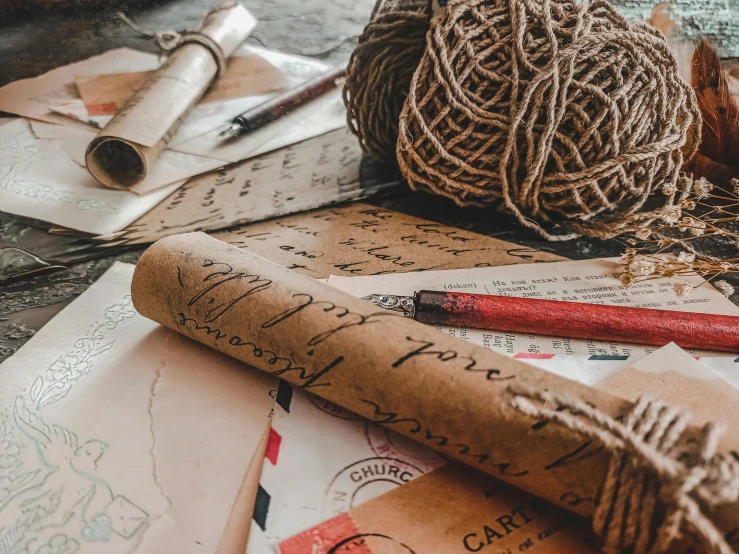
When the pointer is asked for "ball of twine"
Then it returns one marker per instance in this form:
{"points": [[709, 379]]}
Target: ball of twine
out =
{"points": [[566, 114], [380, 71]]}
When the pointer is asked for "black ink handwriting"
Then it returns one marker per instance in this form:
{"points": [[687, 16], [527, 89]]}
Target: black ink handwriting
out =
{"points": [[349, 319], [224, 273], [413, 426], [425, 349]]}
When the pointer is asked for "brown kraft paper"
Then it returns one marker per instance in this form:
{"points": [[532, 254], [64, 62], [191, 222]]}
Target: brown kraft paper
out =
{"points": [[360, 239], [452, 510], [443, 392]]}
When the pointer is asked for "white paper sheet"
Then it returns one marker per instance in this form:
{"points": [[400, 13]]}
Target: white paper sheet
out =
{"points": [[171, 167], [207, 117], [300, 177], [320, 116], [119, 436], [40, 180], [590, 281]]}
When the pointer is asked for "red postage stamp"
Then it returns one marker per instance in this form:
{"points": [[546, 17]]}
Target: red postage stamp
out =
{"points": [[335, 536]]}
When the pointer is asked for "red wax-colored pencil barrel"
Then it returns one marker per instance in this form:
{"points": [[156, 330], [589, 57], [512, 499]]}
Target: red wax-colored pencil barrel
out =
{"points": [[578, 320]]}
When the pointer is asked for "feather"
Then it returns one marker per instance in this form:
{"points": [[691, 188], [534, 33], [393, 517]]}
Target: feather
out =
{"points": [[661, 20], [731, 70], [715, 89], [716, 172], [683, 49], [720, 111]]}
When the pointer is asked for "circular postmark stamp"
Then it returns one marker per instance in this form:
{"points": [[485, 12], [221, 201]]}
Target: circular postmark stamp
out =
{"points": [[340, 535], [367, 543], [332, 409], [364, 480], [389, 444]]}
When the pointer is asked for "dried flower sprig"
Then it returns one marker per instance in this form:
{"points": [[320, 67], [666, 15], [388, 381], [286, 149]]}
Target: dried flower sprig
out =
{"points": [[637, 267], [724, 288], [698, 237]]}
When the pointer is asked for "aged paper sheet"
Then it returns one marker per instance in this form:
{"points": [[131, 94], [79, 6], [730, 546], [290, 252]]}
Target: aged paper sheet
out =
{"points": [[304, 176], [39, 179], [35, 97], [445, 393], [359, 239], [590, 281], [118, 436]]}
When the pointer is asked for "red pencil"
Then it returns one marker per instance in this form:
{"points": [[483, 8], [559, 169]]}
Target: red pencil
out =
{"points": [[568, 319]]}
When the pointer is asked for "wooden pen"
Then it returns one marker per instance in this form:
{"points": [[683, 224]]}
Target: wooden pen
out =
{"points": [[283, 104], [567, 319]]}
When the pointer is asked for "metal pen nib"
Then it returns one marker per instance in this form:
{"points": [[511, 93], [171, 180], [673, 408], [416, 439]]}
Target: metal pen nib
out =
{"points": [[233, 131], [401, 304]]}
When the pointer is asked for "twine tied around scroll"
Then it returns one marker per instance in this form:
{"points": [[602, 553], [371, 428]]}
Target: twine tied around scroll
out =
{"points": [[652, 487], [169, 41]]}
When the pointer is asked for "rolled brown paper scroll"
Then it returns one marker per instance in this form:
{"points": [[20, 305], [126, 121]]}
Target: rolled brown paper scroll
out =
{"points": [[124, 152], [439, 390]]}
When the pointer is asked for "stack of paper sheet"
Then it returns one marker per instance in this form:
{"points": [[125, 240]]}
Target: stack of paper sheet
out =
{"points": [[42, 166]]}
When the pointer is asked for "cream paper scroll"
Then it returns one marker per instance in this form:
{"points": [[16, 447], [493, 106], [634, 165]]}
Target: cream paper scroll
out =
{"points": [[443, 392], [125, 151]]}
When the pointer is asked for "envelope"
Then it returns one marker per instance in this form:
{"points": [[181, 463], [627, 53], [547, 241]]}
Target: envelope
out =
{"points": [[455, 509], [322, 460], [673, 375]]}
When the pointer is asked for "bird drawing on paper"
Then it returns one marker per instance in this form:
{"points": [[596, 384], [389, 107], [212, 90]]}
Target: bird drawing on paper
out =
{"points": [[71, 479]]}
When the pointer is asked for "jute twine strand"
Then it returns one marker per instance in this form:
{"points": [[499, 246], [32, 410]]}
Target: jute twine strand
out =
{"points": [[565, 113], [380, 71], [653, 487]]}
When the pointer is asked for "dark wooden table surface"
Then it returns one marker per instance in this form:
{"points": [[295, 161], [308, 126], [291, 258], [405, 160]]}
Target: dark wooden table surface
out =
{"points": [[33, 43]]}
